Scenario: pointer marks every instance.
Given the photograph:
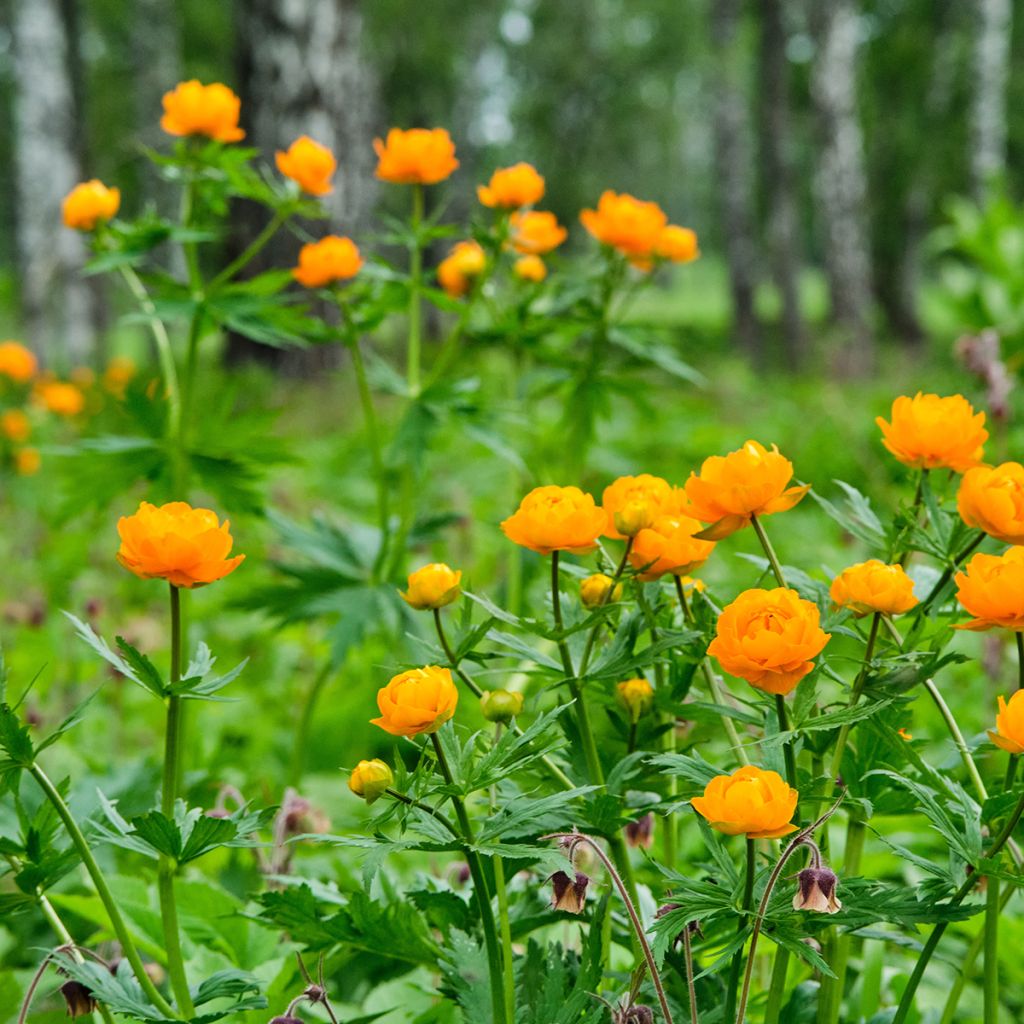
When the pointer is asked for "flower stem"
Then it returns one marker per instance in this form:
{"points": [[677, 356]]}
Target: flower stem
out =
{"points": [[947, 573], [855, 692], [787, 747], [773, 559], [691, 989], [432, 811], [1020, 658], [737, 957], [251, 251], [306, 722], [990, 985], [855, 834], [777, 986], [504, 920], [415, 273], [619, 570]]}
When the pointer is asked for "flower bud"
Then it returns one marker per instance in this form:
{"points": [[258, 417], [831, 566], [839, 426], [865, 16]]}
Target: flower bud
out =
{"points": [[501, 705], [567, 893], [634, 1015], [79, 999], [817, 891], [636, 696], [633, 517], [598, 589], [286, 1020], [370, 779], [641, 831], [433, 586]]}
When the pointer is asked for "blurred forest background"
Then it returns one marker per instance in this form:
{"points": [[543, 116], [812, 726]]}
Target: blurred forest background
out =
{"points": [[813, 144]]}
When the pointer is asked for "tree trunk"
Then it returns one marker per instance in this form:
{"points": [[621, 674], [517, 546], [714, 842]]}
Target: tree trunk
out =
{"points": [[734, 168], [991, 62], [780, 199], [58, 308], [841, 181]]}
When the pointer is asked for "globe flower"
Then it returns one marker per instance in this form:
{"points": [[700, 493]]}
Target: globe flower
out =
{"points": [[530, 268], [512, 187], [371, 779], [556, 519], [627, 224], [751, 802], [669, 546], [677, 244], [501, 705], [929, 432], [61, 398], [309, 164], [331, 259], [461, 267], [1009, 730], [419, 156], [750, 481], [89, 203], [645, 497], [27, 461], [991, 498], [196, 109], [14, 425], [873, 586], [598, 589], [186, 546], [768, 638], [418, 701], [433, 586], [536, 232], [992, 590], [636, 696], [17, 362]]}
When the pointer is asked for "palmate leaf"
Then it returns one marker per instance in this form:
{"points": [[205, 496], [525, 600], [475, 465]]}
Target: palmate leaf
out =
{"points": [[691, 767], [130, 663], [529, 817], [855, 515], [464, 966], [515, 752]]}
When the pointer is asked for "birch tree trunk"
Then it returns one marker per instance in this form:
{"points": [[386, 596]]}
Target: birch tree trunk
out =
{"points": [[991, 72], [57, 304], [734, 168], [841, 180]]}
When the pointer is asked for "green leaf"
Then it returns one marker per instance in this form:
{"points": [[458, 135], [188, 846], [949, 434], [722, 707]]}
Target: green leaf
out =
{"points": [[146, 679]]}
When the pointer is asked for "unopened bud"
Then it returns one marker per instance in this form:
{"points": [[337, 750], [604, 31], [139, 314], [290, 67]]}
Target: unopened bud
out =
{"points": [[501, 705], [79, 999], [598, 590], [638, 1015], [633, 517], [286, 1020], [636, 696], [432, 587], [567, 893], [641, 831], [371, 779], [816, 891]]}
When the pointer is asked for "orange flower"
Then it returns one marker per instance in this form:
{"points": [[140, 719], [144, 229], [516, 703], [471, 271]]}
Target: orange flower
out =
{"points": [[530, 268], [457, 271], [420, 700], [331, 259], [186, 546], [512, 187], [677, 244], [929, 432], [992, 499], [371, 779], [17, 362], [89, 203], [641, 499], [669, 546], [992, 590], [433, 586], [556, 519], [197, 109], [598, 590], [630, 225], [873, 586], [769, 637], [536, 232], [750, 802], [750, 481], [419, 156], [27, 461], [14, 425], [1009, 730], [61, 398], [118, 375], [309, 164]]}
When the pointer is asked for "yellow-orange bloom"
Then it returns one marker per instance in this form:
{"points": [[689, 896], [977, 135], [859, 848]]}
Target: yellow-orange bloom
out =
{"points": [[991, 498], [512, 187], [636, 696], [536, 232], [89, 203], [992, 590], [309, 164], [669, 546], [196, 109], [530, 268], [17, 362], [27, 461], [420, 700], [457, 271], [625, 223], [751, 481], [419, 156], [61, 398], [331, 259], [186, 546], [677, 244], [769, 637], [646, 497], [598, 589], [873, 586], [1009, 730], [433, 586], [556, 519], [371, 779], [929, 432], [14, 425], [750, 802]]}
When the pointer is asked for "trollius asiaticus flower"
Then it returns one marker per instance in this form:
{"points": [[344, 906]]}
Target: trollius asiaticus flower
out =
{"points": [[991, 588], [874, 586], [556, 519], [991, 498], [933, 432], [418, 701], [1009, 730], [751, 802]]}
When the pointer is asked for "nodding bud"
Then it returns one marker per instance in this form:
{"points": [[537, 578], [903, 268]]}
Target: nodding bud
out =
{"points": [[286, 1020], [636, 696], [567, 893], [79, 999], [633, 1015], [633, 517], [599, 589], [298, 816], [501, 705], [816, 891], [641, 831], [371, 779]]}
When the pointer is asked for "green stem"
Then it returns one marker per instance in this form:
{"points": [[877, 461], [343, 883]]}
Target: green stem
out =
{"points": [[991, 978], [855, 835], [958, 739], [306, 723], [787, 747], [1020, 658], [117, 922], [914, 510], [504, 920], [619, 570], [691, 989], [415, 274], [858, 686], [251, 251], [947, 573], [480, 887], [737, 957], [777, 986], [556, 611], [766, 544], [432, 811]]}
